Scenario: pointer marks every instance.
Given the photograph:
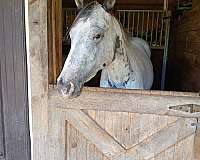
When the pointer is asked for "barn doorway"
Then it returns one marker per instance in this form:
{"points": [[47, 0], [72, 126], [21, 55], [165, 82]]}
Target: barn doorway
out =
{"points": [[156, 22]]}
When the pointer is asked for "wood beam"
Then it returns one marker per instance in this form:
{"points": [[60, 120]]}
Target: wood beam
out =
{"points": [[136, 101]]}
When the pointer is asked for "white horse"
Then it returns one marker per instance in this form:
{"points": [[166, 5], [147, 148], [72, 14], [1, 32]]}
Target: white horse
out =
{"points": [[98, 42]]}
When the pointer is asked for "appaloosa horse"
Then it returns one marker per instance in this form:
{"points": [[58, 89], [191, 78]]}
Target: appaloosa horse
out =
{"points": [[98, 42]]}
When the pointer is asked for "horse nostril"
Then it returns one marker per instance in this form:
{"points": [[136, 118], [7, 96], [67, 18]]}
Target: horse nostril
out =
{"points": [[62, 86], [71, 87], [65, 87]]}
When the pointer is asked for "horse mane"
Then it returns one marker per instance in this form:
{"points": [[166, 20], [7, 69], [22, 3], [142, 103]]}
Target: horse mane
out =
{"points": [[83, 15]]}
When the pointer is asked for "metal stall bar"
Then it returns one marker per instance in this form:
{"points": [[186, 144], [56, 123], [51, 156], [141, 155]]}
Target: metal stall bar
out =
{"points": [[147, 27], [156, 26], [133, 26], [142, 24], [165, 55]]}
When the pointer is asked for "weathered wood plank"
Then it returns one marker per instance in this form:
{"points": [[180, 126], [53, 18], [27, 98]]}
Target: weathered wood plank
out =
{"points": [[13, 82], [102, 140], [192, 36], [129, 129], [54, 39], [56, 135], [125, 101], [50, 42], [182, 150], [162, 140], [2, 149], [197, 144], [189, 21], [79, 148], [38, 60]]}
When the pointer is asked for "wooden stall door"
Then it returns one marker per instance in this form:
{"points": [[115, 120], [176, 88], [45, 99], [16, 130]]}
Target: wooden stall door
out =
{"points": [[14, 122], [101, 135], [97, 128]]}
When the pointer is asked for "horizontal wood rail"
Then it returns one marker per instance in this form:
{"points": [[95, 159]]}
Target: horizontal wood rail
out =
{"points": [[136, 101]]}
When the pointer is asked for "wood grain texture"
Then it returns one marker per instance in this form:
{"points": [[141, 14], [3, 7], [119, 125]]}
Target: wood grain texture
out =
{"points": [[125, 101], [196, 150], [38, 55], [182, 150], [184, 55], [94, 134], [54, 39], [130, 129], [103, 141], [79, 148], [2, 137], [13, 81], [163, 139], [174, 142], [137, 4], [50, 42], [56, 134]]}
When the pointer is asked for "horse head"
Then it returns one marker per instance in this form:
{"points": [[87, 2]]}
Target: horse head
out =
{"points": [[93, 44]]}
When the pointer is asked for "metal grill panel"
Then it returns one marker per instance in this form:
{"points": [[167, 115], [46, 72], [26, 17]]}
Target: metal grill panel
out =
{"points": [[149, 25]]}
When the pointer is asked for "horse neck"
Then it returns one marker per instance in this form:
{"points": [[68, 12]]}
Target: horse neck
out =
{"points": [[119, 69]]}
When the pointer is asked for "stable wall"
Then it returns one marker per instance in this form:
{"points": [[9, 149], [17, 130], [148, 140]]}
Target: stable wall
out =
{"points": [[184, 57], [124, 4]]}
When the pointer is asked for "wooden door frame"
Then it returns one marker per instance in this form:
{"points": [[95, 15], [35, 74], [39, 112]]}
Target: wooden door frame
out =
{"points": [[49, 109], [54, 28], [37, 48]]}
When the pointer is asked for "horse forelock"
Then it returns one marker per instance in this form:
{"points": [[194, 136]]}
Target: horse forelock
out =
{"points": [[84, 14]]}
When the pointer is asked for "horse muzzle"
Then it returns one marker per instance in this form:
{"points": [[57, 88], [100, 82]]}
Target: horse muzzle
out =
{"points": [[69, 88]]}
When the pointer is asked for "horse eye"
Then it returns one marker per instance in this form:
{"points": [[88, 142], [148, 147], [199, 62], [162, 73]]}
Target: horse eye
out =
{"points": [[97, 37]]}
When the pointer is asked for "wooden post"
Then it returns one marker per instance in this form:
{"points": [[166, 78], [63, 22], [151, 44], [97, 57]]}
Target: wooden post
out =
{"points": [[54, 39], [38, 76]]}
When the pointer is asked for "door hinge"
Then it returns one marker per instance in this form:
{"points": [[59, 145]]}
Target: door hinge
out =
{"points": [[189, 108]]}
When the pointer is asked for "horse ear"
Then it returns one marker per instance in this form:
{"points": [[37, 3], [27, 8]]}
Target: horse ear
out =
{"points": [[79, 4], [109, 4]]}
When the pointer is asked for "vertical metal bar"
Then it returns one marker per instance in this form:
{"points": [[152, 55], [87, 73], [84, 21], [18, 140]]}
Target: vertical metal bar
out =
{"points": [[124, 18], [66, 20], [75, 13], [156, 40], [133, 26], [138, 21], [142, 24], [70, 17], [128, 21], [119, 16], [161, 31], [152, 27], [165, 56], [147, 31]]}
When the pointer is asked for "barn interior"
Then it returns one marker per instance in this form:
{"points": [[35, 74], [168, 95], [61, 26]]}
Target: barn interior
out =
{"points": [[172, 29]]}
